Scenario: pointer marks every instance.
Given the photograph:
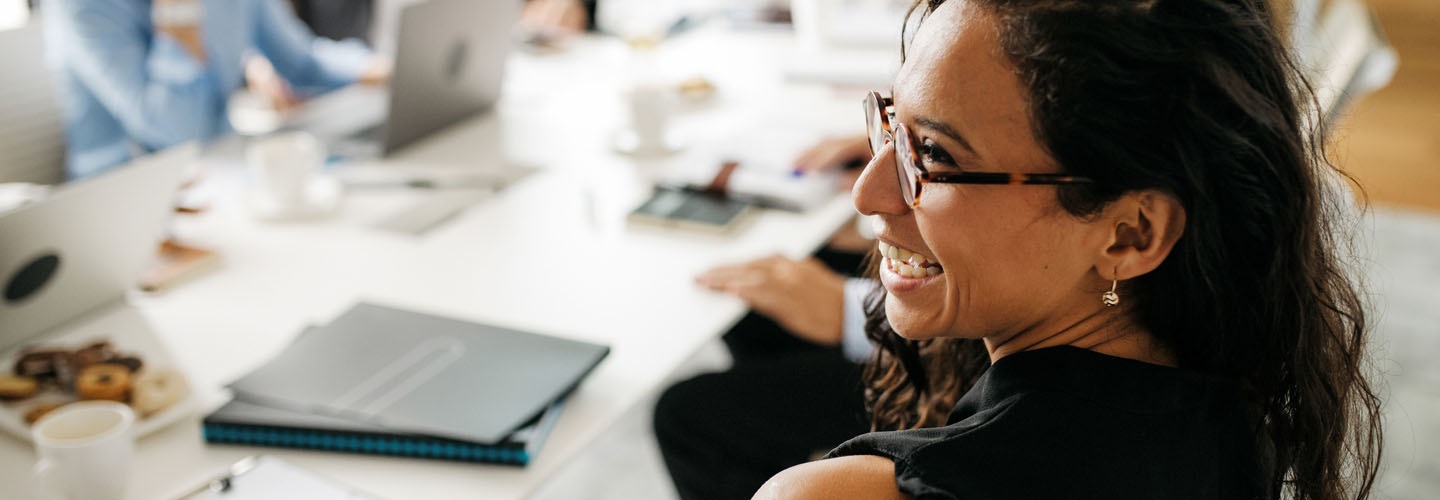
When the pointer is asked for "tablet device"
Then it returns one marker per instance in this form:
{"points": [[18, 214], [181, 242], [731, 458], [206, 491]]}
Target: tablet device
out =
{"points": [[693, 210]]}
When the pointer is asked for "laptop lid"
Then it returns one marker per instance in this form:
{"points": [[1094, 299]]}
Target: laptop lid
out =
{"points": [[85, 245], [449, 65]]}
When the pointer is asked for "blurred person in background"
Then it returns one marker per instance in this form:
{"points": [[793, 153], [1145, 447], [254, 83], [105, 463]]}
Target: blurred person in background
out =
{"points": [[795, 387], [136, 76], [337, 19]]}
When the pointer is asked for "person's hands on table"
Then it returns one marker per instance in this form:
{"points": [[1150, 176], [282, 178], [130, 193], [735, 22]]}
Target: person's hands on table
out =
{"points": [[803, 296]]}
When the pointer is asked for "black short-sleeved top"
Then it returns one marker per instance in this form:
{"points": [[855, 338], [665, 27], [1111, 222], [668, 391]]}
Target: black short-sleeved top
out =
{"points": [[1071, 423]]}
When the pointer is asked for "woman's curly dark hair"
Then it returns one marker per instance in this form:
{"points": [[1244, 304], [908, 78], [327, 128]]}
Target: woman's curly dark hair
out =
{"points": [[1199, 98]]}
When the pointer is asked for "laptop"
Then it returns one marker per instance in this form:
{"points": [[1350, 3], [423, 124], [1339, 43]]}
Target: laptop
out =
{"points": [[84, 245], [449, 65]]}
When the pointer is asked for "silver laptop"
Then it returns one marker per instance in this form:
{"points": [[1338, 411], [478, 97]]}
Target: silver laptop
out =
{"points": [[449, 65], [85, 245]]}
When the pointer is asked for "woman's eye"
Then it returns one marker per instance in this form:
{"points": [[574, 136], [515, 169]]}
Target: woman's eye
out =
{"points": [[932, 154]]}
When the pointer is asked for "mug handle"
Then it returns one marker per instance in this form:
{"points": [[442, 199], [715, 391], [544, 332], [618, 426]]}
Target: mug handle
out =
{"points": [[45, 487]]}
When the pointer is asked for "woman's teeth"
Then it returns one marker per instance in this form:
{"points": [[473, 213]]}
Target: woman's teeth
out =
{"points": [[906, 263]]}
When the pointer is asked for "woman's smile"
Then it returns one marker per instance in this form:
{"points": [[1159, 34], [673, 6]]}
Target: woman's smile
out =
{"points": [[903, 270]]}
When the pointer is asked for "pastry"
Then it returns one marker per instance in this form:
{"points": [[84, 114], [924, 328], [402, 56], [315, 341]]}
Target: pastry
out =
{"points": [[14, 387], [154, 391], [96, 353], [131, 362], [38, 411], [696, 88], [46, 367], [104, 381]]}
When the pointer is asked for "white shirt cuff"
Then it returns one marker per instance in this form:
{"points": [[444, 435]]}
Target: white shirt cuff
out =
{"points": [[853, 342]]}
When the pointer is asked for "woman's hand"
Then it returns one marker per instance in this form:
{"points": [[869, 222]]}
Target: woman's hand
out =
{"points": [[803, 296], [835, 154], [262, 80], [180, 19], [555, 17]]}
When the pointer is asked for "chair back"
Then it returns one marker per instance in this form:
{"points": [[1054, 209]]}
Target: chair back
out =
{"points": [[32, 134]]}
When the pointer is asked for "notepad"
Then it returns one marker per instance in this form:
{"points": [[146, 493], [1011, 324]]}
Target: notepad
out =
{"points": [[418, 373], [246, 423], [266, 477]]}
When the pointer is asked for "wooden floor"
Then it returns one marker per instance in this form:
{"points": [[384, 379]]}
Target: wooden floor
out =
{"points": [[1390, 140]]}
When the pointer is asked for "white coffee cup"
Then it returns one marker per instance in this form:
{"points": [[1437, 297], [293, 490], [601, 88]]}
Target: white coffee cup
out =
{"points": [[810, 18], [283, 166], [649, 108], [86, 450]]}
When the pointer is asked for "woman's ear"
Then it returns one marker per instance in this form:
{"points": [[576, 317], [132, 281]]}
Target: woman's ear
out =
{"points": [[1142, 228]]}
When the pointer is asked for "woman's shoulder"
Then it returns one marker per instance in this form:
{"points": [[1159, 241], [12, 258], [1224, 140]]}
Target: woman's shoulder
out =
{"points": [[856, 476]]}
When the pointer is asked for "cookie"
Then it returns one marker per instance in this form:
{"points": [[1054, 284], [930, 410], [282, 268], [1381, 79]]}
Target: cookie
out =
{"points": [[38, 411], [104, 381], [14, 387], [157, 390]]}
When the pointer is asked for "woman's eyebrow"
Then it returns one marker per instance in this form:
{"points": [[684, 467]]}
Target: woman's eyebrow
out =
{"points": [[945, 129]]}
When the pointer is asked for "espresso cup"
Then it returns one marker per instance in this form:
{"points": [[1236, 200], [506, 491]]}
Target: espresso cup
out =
{"points": [[86, 450], [283, 166]]}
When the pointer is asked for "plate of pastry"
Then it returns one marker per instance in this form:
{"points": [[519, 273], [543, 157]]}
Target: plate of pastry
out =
{"points": [[129, 366]]}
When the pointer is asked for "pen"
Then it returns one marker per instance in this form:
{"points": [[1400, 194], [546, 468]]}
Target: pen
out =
{"points": [[427, 183]]}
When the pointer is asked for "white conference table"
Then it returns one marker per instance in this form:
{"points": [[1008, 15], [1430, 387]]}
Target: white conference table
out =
{"points": [[550, 254]]}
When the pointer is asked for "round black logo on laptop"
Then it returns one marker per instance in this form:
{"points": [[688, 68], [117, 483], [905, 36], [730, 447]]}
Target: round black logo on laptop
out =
{"points": [[455, 63], [31, 277]]}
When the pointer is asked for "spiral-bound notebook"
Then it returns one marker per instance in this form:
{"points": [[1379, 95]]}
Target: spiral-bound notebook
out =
{"points": [[409, 373], [241, 422]]}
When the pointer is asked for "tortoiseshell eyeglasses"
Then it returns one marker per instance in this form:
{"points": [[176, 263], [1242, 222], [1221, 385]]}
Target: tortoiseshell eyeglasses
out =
{"points": [[878, 114]]}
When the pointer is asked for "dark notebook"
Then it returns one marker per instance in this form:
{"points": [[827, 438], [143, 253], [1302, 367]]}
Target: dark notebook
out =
{"points": [[414, 373], [240, 422]]}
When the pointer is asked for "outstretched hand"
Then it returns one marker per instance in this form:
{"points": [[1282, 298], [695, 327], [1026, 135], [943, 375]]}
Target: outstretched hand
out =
{"points": [[554, 17], [803, 296], [834, 154]]}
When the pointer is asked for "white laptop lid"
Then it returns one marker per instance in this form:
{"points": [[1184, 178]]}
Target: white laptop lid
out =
{"points": [[86, 244], [449, 65]]}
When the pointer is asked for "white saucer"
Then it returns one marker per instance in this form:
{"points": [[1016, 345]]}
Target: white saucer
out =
{"points": [[322, 199]]}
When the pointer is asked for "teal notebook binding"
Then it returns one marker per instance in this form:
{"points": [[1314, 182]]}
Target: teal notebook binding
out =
{"points": [[240, 422]]}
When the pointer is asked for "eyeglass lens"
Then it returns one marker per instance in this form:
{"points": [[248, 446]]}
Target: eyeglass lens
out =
{"points": [[904, 165]]}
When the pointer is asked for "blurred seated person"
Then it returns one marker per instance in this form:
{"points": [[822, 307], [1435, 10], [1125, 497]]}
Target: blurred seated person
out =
{"points": [[137, 76], [795, 388], [558, 17], [1109, 269]]}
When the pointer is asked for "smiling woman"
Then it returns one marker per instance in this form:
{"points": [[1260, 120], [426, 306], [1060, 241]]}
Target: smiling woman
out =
{"points": [[1123, 258]]}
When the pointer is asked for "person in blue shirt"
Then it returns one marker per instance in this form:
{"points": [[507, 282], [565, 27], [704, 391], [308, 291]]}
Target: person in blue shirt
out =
{"points": [[136, 76]]}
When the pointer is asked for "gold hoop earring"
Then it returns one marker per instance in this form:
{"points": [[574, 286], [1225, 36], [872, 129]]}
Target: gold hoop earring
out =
{"points": [[1110, 298]]}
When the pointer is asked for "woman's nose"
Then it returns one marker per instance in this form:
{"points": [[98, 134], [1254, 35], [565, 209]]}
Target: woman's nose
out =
{"points": [[877, 191]]}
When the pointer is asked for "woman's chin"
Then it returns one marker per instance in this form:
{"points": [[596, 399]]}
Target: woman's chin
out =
{"points": [[909, 323]]}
